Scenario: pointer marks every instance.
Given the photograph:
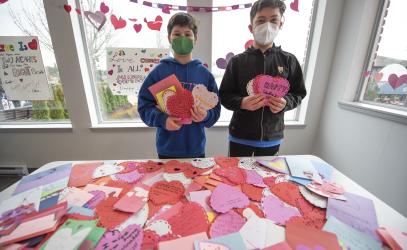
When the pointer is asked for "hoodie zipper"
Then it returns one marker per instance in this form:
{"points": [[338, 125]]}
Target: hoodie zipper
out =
{"points": [[262, 110]]}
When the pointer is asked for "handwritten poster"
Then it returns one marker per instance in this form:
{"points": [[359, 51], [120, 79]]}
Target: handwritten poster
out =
{"points": [[22, 71], [128, 67]]}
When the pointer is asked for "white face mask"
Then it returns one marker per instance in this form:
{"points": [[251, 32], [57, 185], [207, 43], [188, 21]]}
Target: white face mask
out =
{"points": [[265, 33]]}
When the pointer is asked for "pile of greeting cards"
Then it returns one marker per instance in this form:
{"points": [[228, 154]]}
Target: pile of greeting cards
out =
{"points": [[203, 204], [175, 100]]}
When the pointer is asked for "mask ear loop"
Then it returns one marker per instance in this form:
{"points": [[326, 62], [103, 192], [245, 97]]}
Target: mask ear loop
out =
{"points": [[282, 21]]}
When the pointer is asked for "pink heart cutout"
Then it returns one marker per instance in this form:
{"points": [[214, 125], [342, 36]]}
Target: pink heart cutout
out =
{"points": [[97, 19], [130, 238], [227, 223], [275, 210], [204, 98], [396, 81], [271, 86], [225, 198], [294, 5], [137, 27], [117, 23], [104, 8]]}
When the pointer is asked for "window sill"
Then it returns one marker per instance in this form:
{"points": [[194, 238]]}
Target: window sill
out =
{"points": [[23, 125], [390, 114]]}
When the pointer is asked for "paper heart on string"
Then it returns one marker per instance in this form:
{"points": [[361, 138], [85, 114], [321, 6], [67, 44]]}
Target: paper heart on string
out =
{"points": [[223, 62], [396, 81], [163, 192], [67, 8], [154, 25], [254, 193], [97, 19], [276, 211], [227, 223], [33, 44], [130, 238], [137, 27], [225, 198], [190, 220], [166, 9], [203, 97], [104, 8], [180, 104], [271, 86], [117, 23], [235, 175], [294, 5], [227, 161]]}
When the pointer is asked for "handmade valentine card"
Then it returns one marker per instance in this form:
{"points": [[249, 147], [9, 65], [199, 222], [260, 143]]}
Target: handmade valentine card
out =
{"points": [[277, 164], [235, 175], [277, 211], [227, 242], [129, 238], [202, 198], [81, 174], [298, 235], [164, 192], [254, 193], [313, 198], [271, 86], [203, 163], [225, 198], [190, 220], [164, 89], [327, 189], [129, 177], [105, 170], [180, 104], [74, 196], [108, 190], [394, 238], [252, 177], [108, 217], [226, 223], [203, 98], [302, 168], [186, 243], [227, 161]]}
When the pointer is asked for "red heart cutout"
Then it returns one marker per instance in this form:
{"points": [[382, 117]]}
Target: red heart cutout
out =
{"points": [[137, 27], [67, 8], [33, 44], [3, 1], [235, 175], [104, 8], [180, 104], [150, 240], [294, 5], [227, 161], [396, 81], [164, 192], [117, 23], [174, 166], [254, 193], [155, 25], [150, 166], [108, 217], [190, 220], [78, 11], [110, 72], [166, 9]]}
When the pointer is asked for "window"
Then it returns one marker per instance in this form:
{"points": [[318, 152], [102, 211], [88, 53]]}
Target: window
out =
{"points": [[232, 26], [103, 41], [384, 81], [46, 103]]}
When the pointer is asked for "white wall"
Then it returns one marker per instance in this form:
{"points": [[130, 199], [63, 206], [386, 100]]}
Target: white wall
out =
{"points": [[369, 150]]}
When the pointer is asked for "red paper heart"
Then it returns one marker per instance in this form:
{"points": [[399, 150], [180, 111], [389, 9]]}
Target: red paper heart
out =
{"points": [[78, 11], [108, 217], [33, 44], [137, 27], [163, 192], [117, 23], [155, 25], [190, 220], [180, 104], [149, 166], [174, 166], [110, 72], [253, 207], [152, 209], [294, 5], [67, 8], [166, 9], [226, 161], [396, 81], [235, 175], [104, 8], [150, 240], [248, 44], [192, 172], [254, 193], [3, 1]]}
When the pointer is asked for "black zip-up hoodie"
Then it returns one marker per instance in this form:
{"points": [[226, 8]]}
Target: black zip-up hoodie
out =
{"points": [[261, 124]]}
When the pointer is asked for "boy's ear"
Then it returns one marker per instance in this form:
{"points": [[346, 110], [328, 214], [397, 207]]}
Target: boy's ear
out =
{"points": [[250, 28], [169, 40]]}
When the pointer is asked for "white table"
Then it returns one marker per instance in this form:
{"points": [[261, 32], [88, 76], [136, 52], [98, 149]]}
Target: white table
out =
{"points": [[386, 216]]}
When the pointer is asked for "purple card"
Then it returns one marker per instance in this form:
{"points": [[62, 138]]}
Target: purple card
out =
{"points": [[357, 211], [43, 178]]}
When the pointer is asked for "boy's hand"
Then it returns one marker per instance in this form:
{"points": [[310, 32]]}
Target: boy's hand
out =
{"points": [[253, 102], [276, 104], [198, 114], [173, 123]]}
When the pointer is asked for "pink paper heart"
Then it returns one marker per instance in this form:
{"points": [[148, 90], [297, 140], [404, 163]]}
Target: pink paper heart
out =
{"points": [[130, 177], [155, 25], [204, 98], [227, 223], [275, 210], [366, 73], [130, 238], [294, 5], [137, 27], [97, 19], [117, 23], [271, 86], [378, 76], [252, 177], [396, 81], [104, 8], [225, 198]]}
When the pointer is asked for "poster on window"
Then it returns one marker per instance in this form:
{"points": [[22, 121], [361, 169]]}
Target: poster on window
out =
{"points": [[22, 70], [128, 67]]}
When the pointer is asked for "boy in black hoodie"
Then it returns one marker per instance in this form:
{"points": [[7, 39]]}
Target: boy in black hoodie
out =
{"points": [[256, 128]]}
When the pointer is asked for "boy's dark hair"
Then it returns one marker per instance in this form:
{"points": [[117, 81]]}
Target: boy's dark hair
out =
{"points": [[184, 20], [261, 4]]}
